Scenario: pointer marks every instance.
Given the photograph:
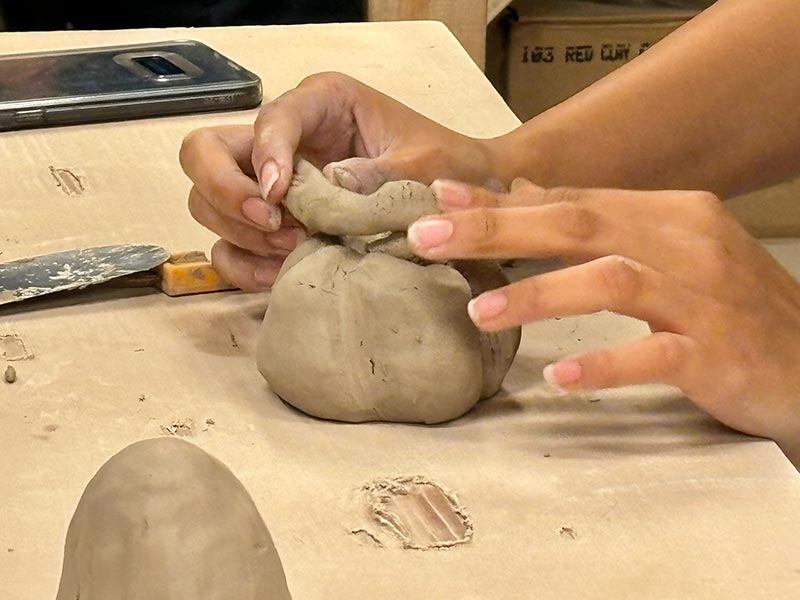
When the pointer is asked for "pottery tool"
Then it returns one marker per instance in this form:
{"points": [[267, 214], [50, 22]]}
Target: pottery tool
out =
{"points": [[117, 266]]}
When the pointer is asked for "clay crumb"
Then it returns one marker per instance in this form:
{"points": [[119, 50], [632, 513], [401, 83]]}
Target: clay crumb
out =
{"points": [[142, 397], [10, 550], [50, 428], [568, 533], [179, 428], [418, 512], [10, 376], [210, 422]]}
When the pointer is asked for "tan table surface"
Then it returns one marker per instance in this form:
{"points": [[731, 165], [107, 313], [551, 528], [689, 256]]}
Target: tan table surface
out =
{"points": [[662, 501]]}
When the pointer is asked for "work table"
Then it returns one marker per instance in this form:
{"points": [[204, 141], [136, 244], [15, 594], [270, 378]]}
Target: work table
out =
{"points": [[629, 493]]}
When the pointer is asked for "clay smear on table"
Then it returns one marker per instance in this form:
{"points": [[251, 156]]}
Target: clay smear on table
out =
{"points": [[12, 347], [67, 181], [419, 513]]}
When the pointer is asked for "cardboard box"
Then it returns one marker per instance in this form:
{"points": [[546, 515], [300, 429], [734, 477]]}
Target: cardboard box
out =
{"points": [[541, 52], [554, 49]]}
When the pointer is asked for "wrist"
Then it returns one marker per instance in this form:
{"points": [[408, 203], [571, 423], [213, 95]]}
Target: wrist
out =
{"points": [[527, 151]]}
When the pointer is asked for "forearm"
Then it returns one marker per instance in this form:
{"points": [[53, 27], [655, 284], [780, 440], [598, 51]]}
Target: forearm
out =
{"points": [[714, 106]]}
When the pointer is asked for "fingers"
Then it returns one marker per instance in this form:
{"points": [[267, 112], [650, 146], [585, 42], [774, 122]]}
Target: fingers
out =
{"points": [[454, 195], [243, 269], [663, 357], [358, 174], [236, 140], [217, 161], [588, 224], [243, 235], [317, 111], [561, 229], [666, 208], [686, 234], [612, 283]]}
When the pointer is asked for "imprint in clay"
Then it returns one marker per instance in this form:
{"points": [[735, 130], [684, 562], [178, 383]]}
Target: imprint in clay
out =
{"points": [[164, 520], [357, 329]]}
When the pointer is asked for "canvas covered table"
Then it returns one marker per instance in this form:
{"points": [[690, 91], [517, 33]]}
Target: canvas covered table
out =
{"points": [[624, 494]]}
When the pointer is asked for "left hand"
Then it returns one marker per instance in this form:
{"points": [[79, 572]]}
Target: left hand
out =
{"points": [[725, 315]]}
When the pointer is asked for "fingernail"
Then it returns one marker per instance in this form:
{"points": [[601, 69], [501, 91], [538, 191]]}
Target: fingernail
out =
{"points": [[560, 374], [269, 175], [451, 194], [288, 238], [487, 306], [345, 178], [429, 233], [299, 235], [261, 213]]}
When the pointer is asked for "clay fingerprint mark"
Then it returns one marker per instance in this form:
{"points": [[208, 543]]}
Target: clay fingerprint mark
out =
{"points": [[12, 347], [420, 514], [69, 183]]}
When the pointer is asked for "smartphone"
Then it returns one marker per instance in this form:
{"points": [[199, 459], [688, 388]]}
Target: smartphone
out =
{"points": [[117, 83]]}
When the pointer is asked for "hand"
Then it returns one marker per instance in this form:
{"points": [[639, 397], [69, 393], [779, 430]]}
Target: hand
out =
{"points": [[725, 315], [360, 137]]}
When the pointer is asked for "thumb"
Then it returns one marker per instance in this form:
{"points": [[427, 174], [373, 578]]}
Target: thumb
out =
{"points": [[360, 175]]}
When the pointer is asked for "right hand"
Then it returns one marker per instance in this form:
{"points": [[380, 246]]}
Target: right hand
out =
{"points": [[360, 137]]}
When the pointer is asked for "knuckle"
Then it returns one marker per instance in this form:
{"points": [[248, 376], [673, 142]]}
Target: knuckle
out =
{"points": [[620, 279], [578, 223], [222, 193], [525, 193], [414, 163], [223, 263], [710, 213], [327, 81], [218, 254], [190, 143], [196, 205], [520, 183], [528, 297], [486, 225], [217, 193], [669, 352], [599, 369], [708, 200]]}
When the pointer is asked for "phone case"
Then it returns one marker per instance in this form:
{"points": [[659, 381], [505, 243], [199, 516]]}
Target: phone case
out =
{"points": [[114, 83]]}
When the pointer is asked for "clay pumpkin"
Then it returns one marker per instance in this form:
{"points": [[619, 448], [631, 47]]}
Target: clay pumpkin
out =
{"points": [[357, 329]]}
